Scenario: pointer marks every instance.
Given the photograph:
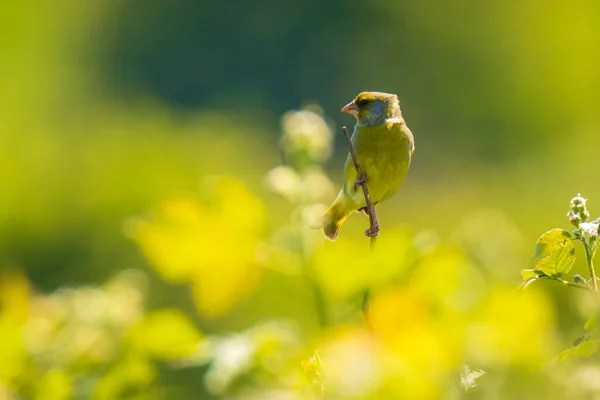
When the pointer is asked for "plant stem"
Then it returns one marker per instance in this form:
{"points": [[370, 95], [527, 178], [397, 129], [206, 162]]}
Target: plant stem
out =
{"points": [[571, 284], [589, 257], [365, 304], [319, 297], [320, 305], [523, 285]]}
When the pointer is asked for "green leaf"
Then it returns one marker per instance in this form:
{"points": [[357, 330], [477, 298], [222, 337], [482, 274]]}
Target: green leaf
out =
{"points": [[559, 262], [550, 241], [555, 253], [585, 349]]}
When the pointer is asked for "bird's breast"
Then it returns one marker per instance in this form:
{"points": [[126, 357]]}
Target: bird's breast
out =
{"points": [[384, 154], [387, 147]]}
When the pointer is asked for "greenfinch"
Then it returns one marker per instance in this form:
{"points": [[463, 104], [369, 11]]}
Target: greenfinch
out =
{"points": [[384, 147]]}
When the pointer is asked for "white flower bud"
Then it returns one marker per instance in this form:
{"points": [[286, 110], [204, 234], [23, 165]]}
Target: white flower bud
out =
{"points": [[306, 131], [285, 182]]}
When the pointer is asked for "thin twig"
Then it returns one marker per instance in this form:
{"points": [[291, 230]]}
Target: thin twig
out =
{"points": [[523, 285], [575, 285], [373, 231]]}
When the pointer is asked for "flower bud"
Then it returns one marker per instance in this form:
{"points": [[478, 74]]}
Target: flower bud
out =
{"points": [[585, 215], [578, 203], [285, 182], [579, 212], [307, 132], [590, 229], [574, 218]]}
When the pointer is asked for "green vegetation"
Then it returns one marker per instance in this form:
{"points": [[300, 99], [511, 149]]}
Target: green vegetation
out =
{"points": [[155, 190]]}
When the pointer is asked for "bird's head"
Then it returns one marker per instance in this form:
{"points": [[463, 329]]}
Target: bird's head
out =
{"points": [[373, 108]]}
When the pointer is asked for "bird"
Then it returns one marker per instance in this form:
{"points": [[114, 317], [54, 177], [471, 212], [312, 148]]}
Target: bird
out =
{"points": [[384, 147]]}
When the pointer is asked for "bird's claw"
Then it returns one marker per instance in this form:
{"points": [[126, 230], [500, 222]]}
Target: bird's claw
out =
{"points": [[361, 179], [373, 231]]}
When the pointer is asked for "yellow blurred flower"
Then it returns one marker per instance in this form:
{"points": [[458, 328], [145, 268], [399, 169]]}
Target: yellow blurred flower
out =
{"points": [[419, 347], [166, 334], [445, 275], [54, 385], [513, 328], [348, 267], [130, 373], [350, 368], [212, 244]]}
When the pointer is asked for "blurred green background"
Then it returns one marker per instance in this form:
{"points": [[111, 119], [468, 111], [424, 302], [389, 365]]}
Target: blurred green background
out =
{"points": [[109, 109]]}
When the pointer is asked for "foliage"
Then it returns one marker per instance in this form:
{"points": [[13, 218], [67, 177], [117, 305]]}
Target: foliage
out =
{"points": [[555, 255], [438, 327], [218, 291], [87, 342]]}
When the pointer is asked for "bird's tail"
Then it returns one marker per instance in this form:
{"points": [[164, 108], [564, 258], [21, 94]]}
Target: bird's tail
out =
{"points": [[332, 220]]}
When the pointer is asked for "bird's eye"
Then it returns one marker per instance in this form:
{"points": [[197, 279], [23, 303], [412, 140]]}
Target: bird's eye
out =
{"points": [[362, 102]]}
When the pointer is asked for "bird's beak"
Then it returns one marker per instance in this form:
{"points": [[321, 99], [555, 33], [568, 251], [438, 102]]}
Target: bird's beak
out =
{"points": [[350, 108]]}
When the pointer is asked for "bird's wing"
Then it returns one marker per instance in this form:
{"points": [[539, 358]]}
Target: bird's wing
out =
{"points": [[350, 174]]}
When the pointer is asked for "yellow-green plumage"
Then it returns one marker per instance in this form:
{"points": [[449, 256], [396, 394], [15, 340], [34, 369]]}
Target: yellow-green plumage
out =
{"points": [[384, 146]]}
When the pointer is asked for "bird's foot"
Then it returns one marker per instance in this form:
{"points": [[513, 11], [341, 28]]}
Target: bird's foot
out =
{"points": [[373, 231], [360, 180]]}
